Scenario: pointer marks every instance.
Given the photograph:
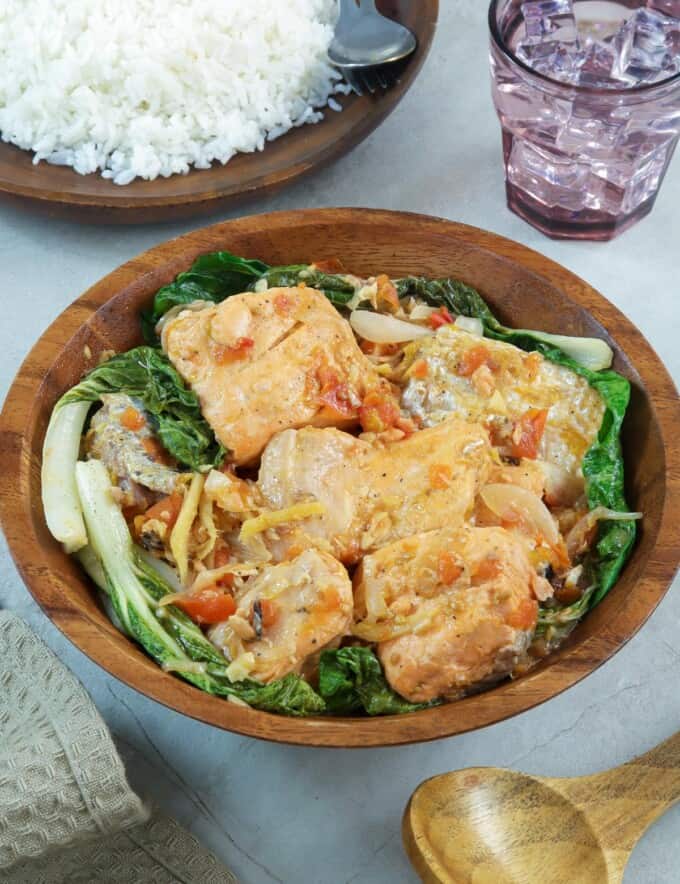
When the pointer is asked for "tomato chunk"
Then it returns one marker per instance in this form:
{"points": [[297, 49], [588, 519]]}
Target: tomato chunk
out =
{"points": [[335, 393], [270, 612], [440, 476], [225, 354], [448, 568], [209, 606], [524, 615], [166, 510], [439, 318], [473, 359], [379, 411], [528, 432], [132, 419]]}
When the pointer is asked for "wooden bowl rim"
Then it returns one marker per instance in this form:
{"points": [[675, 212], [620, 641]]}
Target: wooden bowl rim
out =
{"points": [[104, 647], [66, 192]]}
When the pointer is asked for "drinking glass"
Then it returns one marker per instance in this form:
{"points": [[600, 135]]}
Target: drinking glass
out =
{"points": [[580, 162]]}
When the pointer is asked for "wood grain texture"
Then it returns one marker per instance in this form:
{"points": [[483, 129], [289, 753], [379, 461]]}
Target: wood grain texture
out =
{"points": [[525, 288], [504, 827], [61, 191]]}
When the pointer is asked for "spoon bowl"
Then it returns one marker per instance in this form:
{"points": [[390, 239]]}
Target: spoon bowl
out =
{"points": [[365, 38], [486, 825], [469, 826]]}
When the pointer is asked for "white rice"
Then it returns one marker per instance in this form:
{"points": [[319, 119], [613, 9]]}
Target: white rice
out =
{"points": [[142, 88]]}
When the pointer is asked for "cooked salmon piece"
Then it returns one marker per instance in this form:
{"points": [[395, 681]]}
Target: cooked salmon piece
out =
{"points": [[373, 493], [534, 408], [261, 362], [450, 610], [288, 612]]}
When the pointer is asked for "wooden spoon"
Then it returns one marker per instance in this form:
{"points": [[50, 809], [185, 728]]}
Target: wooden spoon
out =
{"points": [[485, 825]]}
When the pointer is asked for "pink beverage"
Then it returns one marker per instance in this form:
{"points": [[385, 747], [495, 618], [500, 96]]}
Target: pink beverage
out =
{"points": [[588, 96]]}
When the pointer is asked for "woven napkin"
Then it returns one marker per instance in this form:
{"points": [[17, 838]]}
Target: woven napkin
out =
{"points": [[67, 813]]}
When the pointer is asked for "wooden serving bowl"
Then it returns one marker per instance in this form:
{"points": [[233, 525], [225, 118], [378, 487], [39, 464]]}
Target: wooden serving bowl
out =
{"points": [[58, 190], [525, 289]]}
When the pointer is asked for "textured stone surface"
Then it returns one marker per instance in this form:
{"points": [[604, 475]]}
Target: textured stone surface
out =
{"points": [[276, 813]]}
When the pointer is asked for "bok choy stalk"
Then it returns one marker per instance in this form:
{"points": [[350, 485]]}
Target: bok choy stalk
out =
{"points": [[134, 588], [59, 492]]}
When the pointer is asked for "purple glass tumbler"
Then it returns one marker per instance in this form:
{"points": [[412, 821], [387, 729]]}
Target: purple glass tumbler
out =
{"points": [[581, 161]]}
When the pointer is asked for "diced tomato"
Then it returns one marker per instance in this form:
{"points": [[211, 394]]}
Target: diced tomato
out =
{"points": [[386, 293], [329, 265], [224, 354], [379, 411], [419, 369], [439, 318], [132, 419], [282, 304], [487, 569], [440, 475], [166, 510], [528, 432], [448, 568], [334, 392], [155, 450], [270, 612], [210, 605], [221, 557], [524, 615], [473, 359]]}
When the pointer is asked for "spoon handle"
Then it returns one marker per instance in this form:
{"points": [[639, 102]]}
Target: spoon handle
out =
{"points": [[623, 802]]}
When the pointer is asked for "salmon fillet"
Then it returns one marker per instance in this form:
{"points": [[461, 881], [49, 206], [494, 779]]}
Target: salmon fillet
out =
{"points": [[463, 600], [261, 362], [373, 493]]}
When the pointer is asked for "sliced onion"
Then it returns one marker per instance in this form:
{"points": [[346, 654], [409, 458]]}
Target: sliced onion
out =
{"points": [[471, 325], [504, 500], [421, 312], [381, 329]]}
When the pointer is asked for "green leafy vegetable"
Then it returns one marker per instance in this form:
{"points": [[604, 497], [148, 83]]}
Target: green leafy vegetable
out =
{"points": [[212, 277], [602, 466], [336, 288], [219, 275], [134, 589], [145, 373], [352, 679]]}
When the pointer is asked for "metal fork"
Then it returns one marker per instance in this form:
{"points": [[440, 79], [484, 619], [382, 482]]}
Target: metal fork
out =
{"points": [[367, 46]]}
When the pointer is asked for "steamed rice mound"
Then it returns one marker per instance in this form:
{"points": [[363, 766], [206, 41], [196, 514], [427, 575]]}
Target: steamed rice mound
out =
{"points": [[142, 88]]}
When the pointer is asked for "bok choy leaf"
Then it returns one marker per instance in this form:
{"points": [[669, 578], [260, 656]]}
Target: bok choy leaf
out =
{"points": [[351, 679], [145, 373]]}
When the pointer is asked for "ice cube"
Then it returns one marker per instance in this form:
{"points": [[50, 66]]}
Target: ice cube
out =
{"points": [[597, 67], [642, 47], [549, 21], [557, 62], [592, 129]]}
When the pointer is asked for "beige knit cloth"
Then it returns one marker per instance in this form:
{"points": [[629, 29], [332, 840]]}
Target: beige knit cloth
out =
{"points": [[67, 813]]}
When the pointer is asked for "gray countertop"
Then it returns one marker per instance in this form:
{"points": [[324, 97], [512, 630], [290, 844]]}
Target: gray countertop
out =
{"points": [[277, 813]]}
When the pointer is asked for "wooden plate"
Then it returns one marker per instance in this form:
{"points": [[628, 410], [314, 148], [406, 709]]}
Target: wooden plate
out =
{"points": [[526, 290], [62, 191]]}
